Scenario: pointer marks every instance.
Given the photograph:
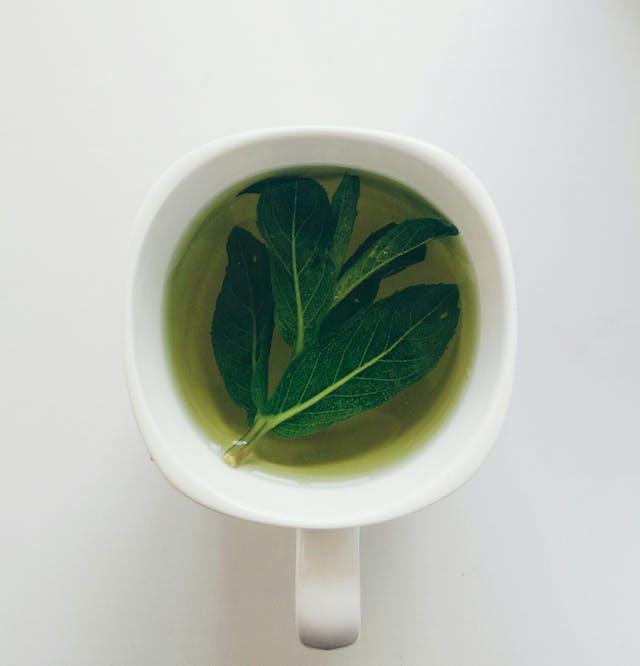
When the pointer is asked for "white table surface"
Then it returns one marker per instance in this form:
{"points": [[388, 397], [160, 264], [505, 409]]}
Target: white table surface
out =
{"points": [[535, 561]]}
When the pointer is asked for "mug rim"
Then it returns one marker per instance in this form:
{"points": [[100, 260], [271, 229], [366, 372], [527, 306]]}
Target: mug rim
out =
{"points": [[455, 171]]}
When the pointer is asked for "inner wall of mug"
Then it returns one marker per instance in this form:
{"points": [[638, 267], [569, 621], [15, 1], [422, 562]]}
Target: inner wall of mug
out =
{"points": [[451, 455]]}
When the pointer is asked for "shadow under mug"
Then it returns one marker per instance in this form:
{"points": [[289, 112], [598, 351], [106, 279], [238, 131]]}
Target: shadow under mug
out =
{"points": [[328, 516]]}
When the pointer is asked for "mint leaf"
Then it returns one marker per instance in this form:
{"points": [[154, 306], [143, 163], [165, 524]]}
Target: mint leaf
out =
{"points": [[383, 254], [295, 220], [344, 208], [243, 322], [365, 293], [375, 355]]}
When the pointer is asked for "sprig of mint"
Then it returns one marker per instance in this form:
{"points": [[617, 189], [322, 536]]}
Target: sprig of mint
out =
{"points": [[350, 354]]}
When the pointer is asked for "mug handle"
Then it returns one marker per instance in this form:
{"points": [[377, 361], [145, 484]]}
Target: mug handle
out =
{"points": [[328, 587]]}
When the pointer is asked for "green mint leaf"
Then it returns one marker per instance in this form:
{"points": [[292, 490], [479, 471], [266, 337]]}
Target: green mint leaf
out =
{"points": [[295, 220], [375, 355], [365, 293], [243, 322], [344, 205], [383, 256]]}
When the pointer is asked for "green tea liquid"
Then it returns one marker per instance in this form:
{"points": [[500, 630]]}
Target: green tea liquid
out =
{"points": [[352, 448]]}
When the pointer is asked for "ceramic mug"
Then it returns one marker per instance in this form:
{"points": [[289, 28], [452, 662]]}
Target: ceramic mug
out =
{"points": [[327, 516]]}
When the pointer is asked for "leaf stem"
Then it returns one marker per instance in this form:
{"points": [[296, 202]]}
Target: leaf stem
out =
{"points": [[242, 447], [297, 350]]}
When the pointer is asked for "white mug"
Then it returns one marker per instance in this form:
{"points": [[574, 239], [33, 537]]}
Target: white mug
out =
{"points": [[327, 516]]}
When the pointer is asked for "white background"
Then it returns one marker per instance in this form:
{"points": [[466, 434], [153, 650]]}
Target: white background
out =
{"points": [[535, 561]]}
